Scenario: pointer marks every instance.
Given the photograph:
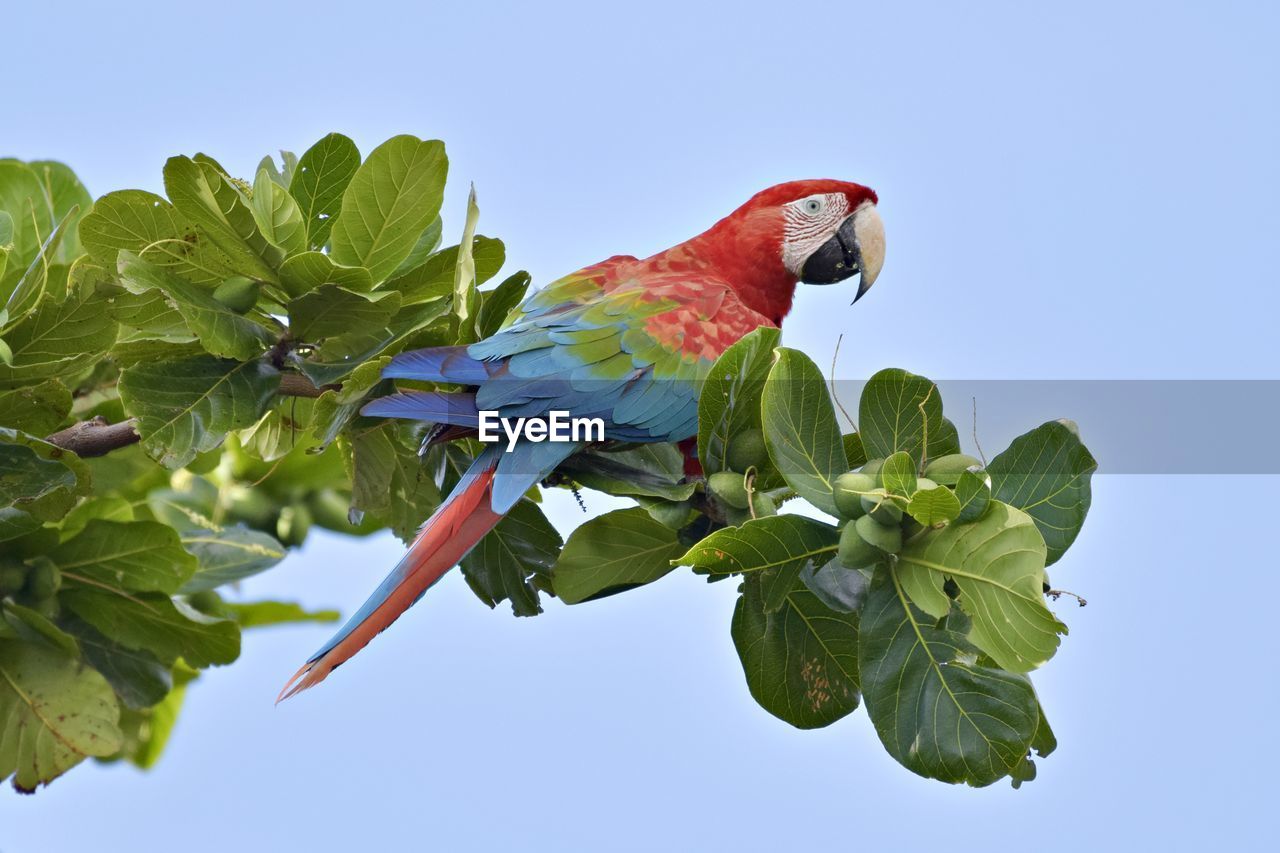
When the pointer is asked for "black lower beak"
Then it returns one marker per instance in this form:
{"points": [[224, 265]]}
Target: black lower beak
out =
{"points": [[835, 260]]}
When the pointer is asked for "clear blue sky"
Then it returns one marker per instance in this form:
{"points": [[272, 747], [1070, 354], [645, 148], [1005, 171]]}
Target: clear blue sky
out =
{"points": [[1087, 192]]}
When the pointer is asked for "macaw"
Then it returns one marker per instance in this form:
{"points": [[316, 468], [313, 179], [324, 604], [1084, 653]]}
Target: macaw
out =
{"points": [[625, 340]]}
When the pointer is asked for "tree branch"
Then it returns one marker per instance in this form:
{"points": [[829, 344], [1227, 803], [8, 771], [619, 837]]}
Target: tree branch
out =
{"points": [[97, 437], [297, 385]]}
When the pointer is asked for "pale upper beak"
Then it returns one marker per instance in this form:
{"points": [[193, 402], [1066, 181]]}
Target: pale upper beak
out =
{"points": [[868, 230]]}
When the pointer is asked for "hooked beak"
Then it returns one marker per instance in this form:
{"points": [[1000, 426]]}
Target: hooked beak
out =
{"points": [[856, 247]]}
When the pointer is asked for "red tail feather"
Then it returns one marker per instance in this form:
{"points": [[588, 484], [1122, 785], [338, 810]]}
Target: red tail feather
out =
{"points": [[445, 539]]}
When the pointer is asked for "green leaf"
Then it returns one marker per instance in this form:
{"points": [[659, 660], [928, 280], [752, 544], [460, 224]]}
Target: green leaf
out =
{"points": [[853, 450], [335, 358], [26, 477], [228, 554], [617, 551], [783, 544], [973, 492], [138, 677], [203, 196], [464, 272], [69, 201], [651, 470], [221, 331], [138, 556], [330, 310], [843, 590], [308, 270], [433, 279], [899, 474], [14, 524], [187, 407], [896, 410], [60, 339], [335, 408], [149, 226], [258, 614], [936, 710], [800, 661], [33, 626], [30, 286], [388, 479], [508, 560], [322, 175], [277, 215], [500, 301], [934, 506], [729, 403], [285, 426], [164, 626], [393, 196], [800, 428], [56, 713], [30, 218], [998, 565], [427, 243], [35, 409], [1046, 473], [37, 477]]}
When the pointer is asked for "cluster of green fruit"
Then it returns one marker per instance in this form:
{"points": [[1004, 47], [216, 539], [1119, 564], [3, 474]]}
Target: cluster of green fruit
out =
{"points": [[34, 583], [885, 502], [732, 488]]}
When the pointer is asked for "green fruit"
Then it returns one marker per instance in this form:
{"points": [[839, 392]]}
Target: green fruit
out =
{"points": [[763, 505], [728, 487], [207, 602], [12, 579], [846, 493], [924, 484], [872, 469], [747, 450], [947, 469], [882, 536], [855, 552], [673, 514], [238, 294], [43, 579], [882, 508], [293, 524], [735, 517]]}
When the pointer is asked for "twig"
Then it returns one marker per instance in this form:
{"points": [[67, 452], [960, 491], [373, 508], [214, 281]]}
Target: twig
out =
{"points": [[924, 430], [831, 380], [1055, 594], [977, 443]]}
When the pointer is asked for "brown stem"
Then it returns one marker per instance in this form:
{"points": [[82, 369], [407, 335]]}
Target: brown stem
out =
{"points": [[297, 385], [97, 437]]}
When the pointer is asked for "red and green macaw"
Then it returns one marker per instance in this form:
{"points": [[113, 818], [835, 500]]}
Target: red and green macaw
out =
{"points": [[625, 340]]}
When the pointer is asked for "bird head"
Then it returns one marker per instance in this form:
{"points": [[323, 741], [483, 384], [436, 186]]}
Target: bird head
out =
{"points": [[812, 232]]}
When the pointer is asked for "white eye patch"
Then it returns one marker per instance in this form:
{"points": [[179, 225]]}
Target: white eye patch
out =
{"points": [[810, 222]]}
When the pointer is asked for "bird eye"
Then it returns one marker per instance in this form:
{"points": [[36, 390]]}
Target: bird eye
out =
{"points": [[811, 205]]}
